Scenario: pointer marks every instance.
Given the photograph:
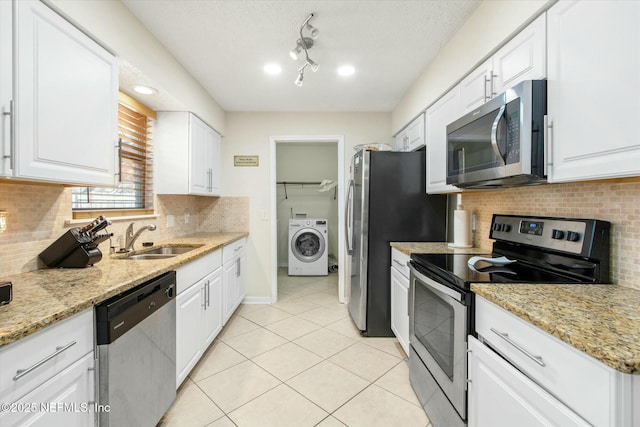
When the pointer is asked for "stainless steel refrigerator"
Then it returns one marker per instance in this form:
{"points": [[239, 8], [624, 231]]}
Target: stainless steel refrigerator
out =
{"points": [[386, 202]]}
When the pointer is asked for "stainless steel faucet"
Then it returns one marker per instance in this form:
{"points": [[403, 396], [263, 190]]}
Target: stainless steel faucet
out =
{"points": [[130, 237]]}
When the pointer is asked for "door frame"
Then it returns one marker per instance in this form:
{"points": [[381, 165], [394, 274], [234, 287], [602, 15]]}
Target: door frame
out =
{"points": [[342, 259]]}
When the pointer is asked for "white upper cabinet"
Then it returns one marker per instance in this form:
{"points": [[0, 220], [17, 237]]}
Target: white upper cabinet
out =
{"points": [[187, 155], [593, 90], [6, 87], [59, 100], [522, 58], [474, 89], [411, 138], [438, 116]]}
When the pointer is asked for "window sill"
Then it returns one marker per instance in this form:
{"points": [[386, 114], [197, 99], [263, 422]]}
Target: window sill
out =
{"points": [[76, 221]]}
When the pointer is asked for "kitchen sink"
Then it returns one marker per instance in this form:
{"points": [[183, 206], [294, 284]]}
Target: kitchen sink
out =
{"points": [[161, 252], [150, 256], [169, 250]]}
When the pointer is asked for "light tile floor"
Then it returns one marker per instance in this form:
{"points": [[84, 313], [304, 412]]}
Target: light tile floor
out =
{"points": [[299, 362]]}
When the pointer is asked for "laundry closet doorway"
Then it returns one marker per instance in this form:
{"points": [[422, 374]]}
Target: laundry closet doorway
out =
{"points": [[307, 181]]}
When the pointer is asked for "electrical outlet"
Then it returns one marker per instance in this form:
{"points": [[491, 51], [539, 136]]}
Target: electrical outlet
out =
{"points": [[187, 217], [171, 221]]}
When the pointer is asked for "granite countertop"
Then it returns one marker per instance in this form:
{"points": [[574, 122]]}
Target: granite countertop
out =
{"points": [[43, 297], [435, 248], [600, 320]]}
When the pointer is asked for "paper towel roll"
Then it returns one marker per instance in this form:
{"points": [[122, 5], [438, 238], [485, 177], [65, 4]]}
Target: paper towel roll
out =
{"points": [[461, 229]]}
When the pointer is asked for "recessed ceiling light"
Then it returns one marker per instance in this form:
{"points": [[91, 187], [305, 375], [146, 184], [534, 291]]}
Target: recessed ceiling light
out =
{"points": [[346, 70], [272, 69], [145, 90]]}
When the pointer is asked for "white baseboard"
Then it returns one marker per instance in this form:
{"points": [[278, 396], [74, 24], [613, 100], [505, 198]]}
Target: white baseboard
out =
{"points": [[257, 300]]}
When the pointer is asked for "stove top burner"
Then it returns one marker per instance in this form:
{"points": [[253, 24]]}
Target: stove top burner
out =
{"points": [[454, 268]]}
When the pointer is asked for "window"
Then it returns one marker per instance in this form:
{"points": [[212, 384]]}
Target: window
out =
{"points": [[135, 188]]}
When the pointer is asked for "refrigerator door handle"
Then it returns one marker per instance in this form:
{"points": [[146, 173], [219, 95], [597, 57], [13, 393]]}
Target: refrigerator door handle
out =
{"points": [[349, 221]]}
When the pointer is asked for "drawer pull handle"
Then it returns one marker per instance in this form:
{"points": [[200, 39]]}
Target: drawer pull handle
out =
{"points": [[399, 263], [505, 336], [22, 372]]}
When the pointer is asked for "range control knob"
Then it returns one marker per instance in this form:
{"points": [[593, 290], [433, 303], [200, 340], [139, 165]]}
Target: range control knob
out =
{"points": [[557, 234], [497, 227], [572, 236], [506, 227]]}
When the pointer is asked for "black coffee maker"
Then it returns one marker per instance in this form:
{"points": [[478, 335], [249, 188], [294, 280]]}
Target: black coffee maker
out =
{"points": [[78, 246]]}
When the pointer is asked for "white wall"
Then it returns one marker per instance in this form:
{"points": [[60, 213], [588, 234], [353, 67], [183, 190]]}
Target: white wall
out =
{"points": [[306, 162], [493, 22], [111, 23], [249, 134]]}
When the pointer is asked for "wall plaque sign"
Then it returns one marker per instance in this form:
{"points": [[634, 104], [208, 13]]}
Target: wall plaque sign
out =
{"points": [[246, 160]]}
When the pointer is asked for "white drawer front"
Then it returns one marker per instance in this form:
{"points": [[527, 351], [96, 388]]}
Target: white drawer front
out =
{"points": [[75, 333], [188, 274], [233, 249], [399, 260], [575, 378]]}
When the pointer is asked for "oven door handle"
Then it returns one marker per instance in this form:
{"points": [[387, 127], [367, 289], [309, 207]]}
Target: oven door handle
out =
{"points": [[458, 296]]}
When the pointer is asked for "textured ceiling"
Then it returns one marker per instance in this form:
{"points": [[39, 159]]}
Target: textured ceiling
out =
{"points": [[225, 43]]}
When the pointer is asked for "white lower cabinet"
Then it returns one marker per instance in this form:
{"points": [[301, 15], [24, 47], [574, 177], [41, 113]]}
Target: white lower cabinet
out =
{"points": [[500, 396], [212, 314], [400, 298], [528, 377], [234, 258], [47, 379], [198, 311], [64, 400]]}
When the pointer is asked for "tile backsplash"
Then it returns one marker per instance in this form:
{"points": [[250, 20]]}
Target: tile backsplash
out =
{"points": [[615, 201], [36, 216]]}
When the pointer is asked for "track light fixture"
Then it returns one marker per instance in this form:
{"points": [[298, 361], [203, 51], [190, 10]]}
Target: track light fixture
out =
{"points": [[305, 43]]}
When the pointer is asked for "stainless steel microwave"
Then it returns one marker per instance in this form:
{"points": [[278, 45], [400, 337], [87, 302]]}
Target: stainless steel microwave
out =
{"points": [[502, 142]]}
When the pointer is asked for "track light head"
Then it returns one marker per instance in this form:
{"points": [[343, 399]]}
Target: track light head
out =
{"points": [[298, 81], [314, 66], [293, 53], [313, 31]]}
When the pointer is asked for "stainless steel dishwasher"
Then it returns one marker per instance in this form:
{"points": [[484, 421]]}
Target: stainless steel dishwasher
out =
{"points": [[136, 338]]}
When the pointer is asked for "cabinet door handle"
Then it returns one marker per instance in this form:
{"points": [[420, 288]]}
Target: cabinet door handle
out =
{"points": [[10, 156], [208, 293], [548, 143], [22, 372], [119, 147], [505, 336], [237, 267], [492, 93], [486, 97]]}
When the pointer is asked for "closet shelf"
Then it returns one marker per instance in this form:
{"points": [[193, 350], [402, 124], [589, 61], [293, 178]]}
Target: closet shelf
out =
{"points": [[302, 184]]}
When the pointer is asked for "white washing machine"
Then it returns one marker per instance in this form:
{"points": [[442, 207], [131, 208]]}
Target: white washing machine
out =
{"points": [[308, 251]]}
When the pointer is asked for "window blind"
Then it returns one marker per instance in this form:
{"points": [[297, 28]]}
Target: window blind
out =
{"points": [[135, 187]]}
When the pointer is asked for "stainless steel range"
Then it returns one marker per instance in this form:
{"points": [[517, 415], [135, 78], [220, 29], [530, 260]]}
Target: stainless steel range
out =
{"points": [[525, 250]]}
